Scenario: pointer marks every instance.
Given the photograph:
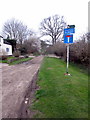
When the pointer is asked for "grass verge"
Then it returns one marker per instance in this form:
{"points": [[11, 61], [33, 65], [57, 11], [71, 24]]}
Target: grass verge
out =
{"points": [[16, 61], [61, 96], [20, 61], [6, 61]]}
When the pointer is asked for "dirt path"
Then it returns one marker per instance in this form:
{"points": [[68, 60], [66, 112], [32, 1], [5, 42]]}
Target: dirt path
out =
{"points": [[16, 80]]}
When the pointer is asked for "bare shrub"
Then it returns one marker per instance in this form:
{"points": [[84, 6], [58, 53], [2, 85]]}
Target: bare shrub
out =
{"points": [[79, 52], [58, 49], [26, 56], [16, 53], [32, 45]]}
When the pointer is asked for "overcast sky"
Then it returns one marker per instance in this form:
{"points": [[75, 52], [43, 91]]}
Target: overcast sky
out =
{"points": [[32, 12]]}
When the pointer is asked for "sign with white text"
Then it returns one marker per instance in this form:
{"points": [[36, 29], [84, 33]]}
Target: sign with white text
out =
{"points": [[69, 30]]}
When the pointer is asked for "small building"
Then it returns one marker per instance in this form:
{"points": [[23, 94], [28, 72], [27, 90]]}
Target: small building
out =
{"points": [[5, 47]]}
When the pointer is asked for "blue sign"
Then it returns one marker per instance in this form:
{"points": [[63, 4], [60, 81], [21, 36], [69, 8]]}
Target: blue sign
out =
{"points": [[68, 38], [69, 30]]}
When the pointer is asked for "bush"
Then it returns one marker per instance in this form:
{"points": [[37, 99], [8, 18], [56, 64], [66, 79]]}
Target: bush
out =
{"points": [[26, 56], [23, 50], [58, 49], [3, 57], [79, 52], [16, 53]]}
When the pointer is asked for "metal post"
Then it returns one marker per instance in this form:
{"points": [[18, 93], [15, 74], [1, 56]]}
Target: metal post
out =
{"points": [[67, 57]]}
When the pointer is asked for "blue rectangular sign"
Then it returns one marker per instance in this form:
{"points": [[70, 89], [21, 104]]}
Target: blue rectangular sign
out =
{"points": [[69, 30], [68, 38]]}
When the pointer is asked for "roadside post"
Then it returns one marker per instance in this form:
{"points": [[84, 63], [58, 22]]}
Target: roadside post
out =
{"points": [[68, 38]]}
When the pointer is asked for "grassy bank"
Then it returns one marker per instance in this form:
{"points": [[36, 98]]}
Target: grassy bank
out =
{"points": [[6, 61], [16, 61], [20, 61], [61, 96]]}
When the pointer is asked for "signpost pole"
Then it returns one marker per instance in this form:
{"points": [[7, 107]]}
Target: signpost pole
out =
{"points": [[67, 57], [68, 38]]}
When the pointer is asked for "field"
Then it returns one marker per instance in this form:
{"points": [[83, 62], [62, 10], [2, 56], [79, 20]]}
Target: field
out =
{"points": [[61, 96]]}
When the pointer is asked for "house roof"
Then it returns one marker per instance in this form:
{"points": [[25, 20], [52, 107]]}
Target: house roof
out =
{"points": [[5, 42]]}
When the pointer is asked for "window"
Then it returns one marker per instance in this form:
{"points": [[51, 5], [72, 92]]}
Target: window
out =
{"points": [[7, 49]]}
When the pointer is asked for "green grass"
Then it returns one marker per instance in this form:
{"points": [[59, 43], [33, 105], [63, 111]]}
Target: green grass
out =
{"points": [[20, 61], [15, 62], [11, 57], [6, 61], [61, 96], [3, 61]]}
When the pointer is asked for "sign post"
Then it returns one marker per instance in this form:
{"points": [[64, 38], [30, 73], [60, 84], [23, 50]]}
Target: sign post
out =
{"points": [[67, 57], [68, 38]]}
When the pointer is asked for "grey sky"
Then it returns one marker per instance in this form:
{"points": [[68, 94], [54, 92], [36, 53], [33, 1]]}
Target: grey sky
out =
{"points": [[32, 12]]}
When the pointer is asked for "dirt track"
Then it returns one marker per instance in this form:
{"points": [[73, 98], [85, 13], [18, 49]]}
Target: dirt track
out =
{"points": [[16, 80]]}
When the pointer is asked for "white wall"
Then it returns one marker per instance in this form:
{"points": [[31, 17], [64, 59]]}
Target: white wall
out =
{"points": [[5, 49], [9, 47]]}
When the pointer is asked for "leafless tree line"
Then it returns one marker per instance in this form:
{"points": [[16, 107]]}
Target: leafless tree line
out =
{"points": [[79, 51], [52, 26]]}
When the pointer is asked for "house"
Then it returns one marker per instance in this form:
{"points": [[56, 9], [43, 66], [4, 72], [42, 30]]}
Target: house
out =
{"points": [[5, 47]]}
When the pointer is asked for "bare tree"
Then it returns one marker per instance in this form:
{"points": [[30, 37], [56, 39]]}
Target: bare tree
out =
{"points": [[53, 27], [31, 45], [16, 30]]}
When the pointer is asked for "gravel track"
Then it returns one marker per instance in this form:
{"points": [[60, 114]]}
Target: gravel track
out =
{"points": [[16, 80]]}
